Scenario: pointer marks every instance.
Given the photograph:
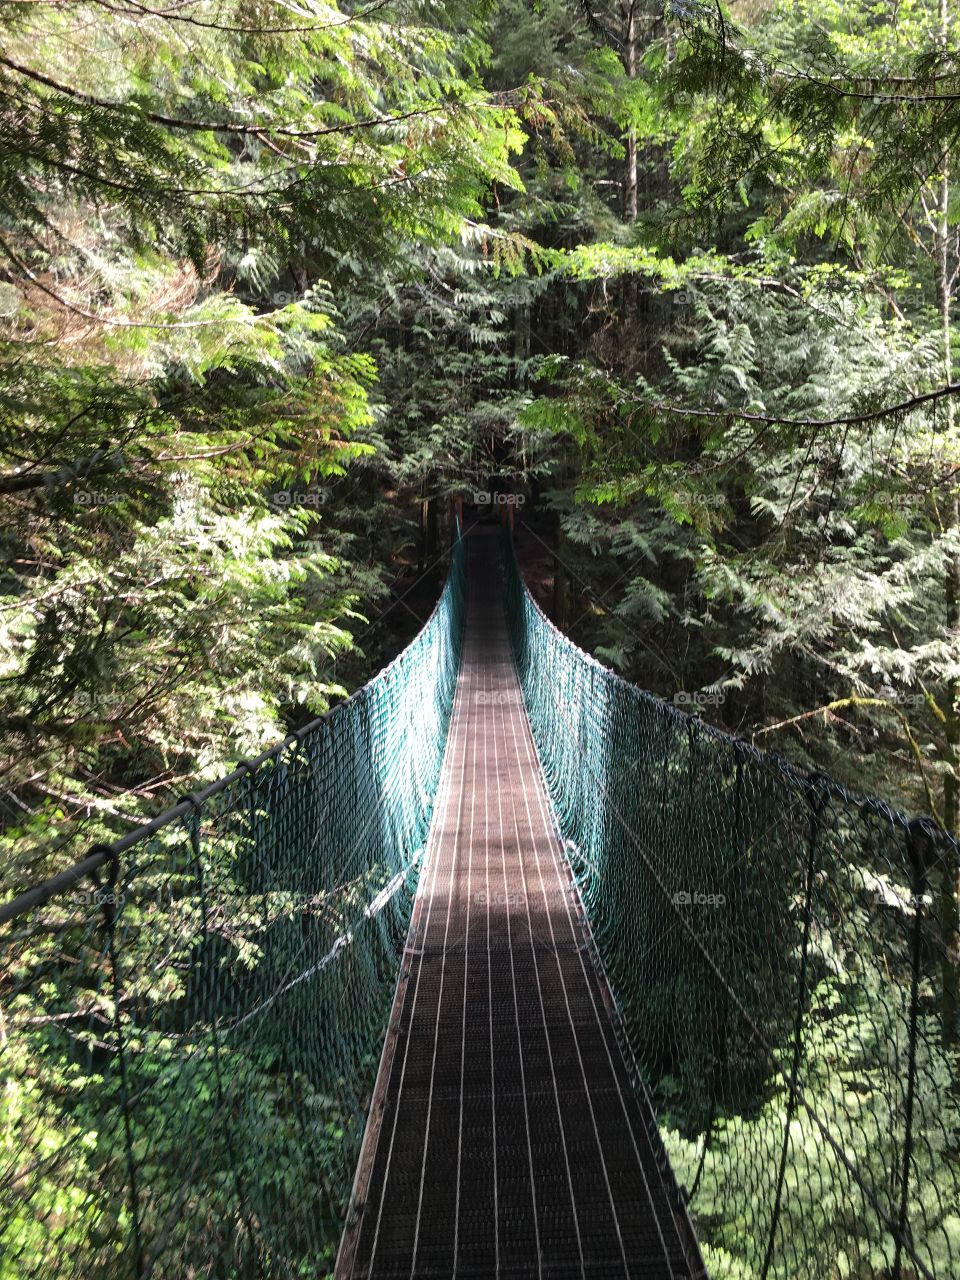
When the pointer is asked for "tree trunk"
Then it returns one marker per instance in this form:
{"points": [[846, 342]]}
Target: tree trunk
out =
{"points": [[561, 583], [628, 11], [949, 887], [424, 531]]}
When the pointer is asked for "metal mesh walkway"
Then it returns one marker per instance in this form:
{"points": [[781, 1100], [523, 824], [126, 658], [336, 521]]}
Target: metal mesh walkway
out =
{"points": [[505, 1138]]}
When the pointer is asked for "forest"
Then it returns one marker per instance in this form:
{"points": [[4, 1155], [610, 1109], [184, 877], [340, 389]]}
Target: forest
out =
{"points": [[286, 283], [278, 283]]}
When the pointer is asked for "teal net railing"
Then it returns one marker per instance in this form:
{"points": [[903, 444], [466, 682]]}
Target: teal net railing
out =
{"points": [[191, 1020], [782, 955]]}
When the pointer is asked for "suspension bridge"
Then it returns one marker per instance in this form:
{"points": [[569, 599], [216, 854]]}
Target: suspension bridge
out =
{"points": [[503, 967]]}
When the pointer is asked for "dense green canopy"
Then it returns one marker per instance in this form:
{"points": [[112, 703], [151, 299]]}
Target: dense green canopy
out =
{"points": [[280, 277]]}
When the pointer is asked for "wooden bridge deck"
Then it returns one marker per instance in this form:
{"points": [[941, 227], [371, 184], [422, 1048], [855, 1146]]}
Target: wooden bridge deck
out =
{"points": [[504, 1138]]}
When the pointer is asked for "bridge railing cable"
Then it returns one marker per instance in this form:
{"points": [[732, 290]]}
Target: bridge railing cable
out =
{"points": [[191, 1019], [782, 955]]}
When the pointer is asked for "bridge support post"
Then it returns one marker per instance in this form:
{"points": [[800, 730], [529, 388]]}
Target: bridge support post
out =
{"points": [[108, 902], [817, 798], [920, 846]]}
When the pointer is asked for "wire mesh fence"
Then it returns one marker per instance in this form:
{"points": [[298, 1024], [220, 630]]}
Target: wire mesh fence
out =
{"points": [[190, 1022], [783, 956]]}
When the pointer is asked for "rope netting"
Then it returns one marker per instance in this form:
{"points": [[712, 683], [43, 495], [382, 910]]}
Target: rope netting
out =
{"points": [[191, 1020], [782, 954]]}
